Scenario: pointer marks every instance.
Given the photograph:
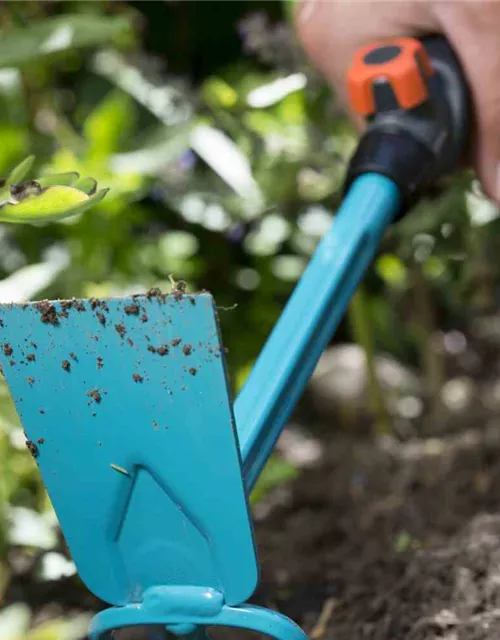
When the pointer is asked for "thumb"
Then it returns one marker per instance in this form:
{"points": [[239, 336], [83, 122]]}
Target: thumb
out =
{"points": [[332, 31], [472, 28]]}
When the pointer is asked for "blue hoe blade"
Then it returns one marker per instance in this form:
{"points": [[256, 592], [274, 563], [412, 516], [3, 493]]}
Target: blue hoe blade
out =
{"points": [[126, 409]]}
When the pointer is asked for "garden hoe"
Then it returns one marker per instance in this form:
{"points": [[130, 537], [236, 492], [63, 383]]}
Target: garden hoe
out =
{"points": [[125, 402]]}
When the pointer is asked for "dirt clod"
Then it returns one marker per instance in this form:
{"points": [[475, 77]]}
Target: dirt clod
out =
{"points": [[144, 317], [31, 381], [72, 355], [130, 342], [187, 349], [30, 357], [193, 371], [32, 448], [48, 313], [65, 364], [175, 342], [151, 348], [155, 292], [8, 350], [42, 411], [162, 351], [41, 440], [121, 330], [132, 309], [95, 395], [101, 317], [137, 378], [100, 363]]}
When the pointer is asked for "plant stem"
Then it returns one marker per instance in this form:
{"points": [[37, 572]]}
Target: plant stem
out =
{"points": [[362, 330], [431, 360]]}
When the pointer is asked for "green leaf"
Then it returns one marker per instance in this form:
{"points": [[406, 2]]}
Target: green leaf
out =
{"points": [[67, 179], [54, 203], [18, 174], [52, 35], [87, 185], [108, 125], [391, 269]]}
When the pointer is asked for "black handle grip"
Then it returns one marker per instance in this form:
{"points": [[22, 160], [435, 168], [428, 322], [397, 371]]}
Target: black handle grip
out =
{"points": [[417, 103]]}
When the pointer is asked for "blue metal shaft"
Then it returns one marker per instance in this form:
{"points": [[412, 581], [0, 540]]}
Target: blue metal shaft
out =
{"points": [[310, 318]]}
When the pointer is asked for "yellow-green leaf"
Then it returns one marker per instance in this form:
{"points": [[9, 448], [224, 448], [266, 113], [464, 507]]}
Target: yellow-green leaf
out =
{"points": [[52, 204], [21, 171], [59, 179]]}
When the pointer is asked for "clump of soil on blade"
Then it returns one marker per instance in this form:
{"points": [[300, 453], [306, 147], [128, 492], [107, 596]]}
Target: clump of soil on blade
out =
{"points": [[95, 395], [132, 309], [48, 313], [120, 329]]}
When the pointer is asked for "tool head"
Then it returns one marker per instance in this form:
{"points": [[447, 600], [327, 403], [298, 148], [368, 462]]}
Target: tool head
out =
{"points": [[126, 409]]}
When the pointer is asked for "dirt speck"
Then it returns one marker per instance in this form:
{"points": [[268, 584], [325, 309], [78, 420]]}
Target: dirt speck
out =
{"points": [[178, 289], [137, 378], [100, 363], [144, 317], [31, 357], [162, 351], [151, 348], [187, 349], [42, 411], [8, 350], [101, 317], [175, 342], [130, 342], [31, 381], [155, 292], [32, 448], [95, 395], [72, 355], [132, 309], [155, 425], [120, 329], [66, 365], [41, 440], [34, 345], [12, 363], [48, 314], [193, 371]]}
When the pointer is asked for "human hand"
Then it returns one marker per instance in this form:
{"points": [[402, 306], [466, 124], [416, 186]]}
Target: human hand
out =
{"points": [[332, 30]]}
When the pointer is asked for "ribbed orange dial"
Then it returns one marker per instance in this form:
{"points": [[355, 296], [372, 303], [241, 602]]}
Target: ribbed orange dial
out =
{"points": [[403, 63]]}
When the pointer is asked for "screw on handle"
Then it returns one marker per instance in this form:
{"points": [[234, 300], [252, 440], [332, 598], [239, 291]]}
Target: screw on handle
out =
{"points": [[415, 99]]}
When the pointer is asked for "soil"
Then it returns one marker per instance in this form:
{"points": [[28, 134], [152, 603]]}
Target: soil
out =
{"points": [[48, 313], [101, 317], [95, 395], [389, 541], [132, 309], [121, 330]]}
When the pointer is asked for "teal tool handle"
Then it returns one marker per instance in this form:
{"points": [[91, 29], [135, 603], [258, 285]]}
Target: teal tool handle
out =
{"points": [[415, 99]]}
